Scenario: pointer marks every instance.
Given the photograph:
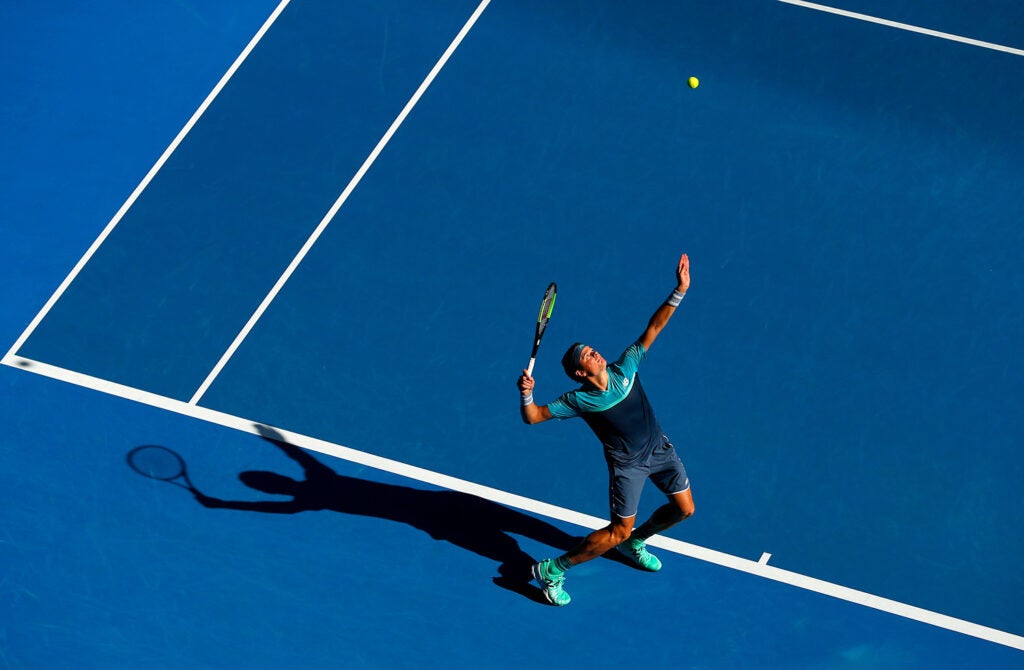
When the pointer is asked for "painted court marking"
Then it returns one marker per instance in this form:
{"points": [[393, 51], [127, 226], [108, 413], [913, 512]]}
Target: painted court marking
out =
{"points": [[759, 568], [333, 211], [906, 26], [149, 176]]}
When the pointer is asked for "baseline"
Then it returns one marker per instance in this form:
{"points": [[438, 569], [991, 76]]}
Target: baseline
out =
{"points": [[906, 26], [759, 568]]}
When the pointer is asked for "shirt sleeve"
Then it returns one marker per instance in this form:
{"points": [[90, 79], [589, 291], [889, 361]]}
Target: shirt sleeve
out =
{"points": [[564, 407], [630, 360]]}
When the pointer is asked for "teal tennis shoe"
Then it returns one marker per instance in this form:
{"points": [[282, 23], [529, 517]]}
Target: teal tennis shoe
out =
{"points": [[550, 583], [637, 551]]}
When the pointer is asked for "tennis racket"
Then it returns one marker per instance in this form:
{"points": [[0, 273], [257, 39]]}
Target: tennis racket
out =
{"points": [[546, 307], [161, 463]]}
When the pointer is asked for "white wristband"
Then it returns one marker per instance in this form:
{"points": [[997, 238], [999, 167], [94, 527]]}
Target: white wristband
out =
{"points": [[527, 399], [676, 298]]}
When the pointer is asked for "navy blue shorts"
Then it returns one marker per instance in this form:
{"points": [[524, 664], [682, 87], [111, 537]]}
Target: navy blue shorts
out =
{"points": [[662, 467]]}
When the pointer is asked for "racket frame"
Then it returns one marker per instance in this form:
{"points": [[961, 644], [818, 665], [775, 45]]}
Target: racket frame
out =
{"points": [[182, 473], [547, 307]]}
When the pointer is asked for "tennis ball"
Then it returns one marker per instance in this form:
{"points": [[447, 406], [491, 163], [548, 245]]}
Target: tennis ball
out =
{"points": [[693, 82]]}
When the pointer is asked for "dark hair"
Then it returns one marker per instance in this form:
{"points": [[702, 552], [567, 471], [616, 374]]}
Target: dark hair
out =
{"points": [[571, 360]]}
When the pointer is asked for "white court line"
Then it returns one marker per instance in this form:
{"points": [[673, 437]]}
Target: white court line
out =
{"points": [[333, 211], [906, 26], [759, 568], [149, 177]]}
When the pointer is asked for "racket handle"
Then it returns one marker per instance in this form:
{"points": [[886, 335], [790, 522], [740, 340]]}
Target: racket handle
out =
{"points": [[529, 368]]}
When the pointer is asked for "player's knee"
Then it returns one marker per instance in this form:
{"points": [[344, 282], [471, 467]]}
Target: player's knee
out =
{"points": [[620, 531], [685, 509], [619, 535]]}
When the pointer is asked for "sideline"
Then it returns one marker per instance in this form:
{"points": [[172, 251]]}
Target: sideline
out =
{"points": [[333, 211], [148, 178]]}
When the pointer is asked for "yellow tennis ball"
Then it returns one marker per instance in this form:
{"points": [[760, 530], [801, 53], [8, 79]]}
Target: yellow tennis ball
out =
{"points": [[693, 82]]}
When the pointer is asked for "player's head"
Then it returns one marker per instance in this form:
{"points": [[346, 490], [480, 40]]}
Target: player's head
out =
{"points": [[581, 360], [269, 482], [571, 360]]}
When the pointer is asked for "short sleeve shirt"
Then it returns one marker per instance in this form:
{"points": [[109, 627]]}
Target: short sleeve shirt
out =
{"points": [[621, 416]]}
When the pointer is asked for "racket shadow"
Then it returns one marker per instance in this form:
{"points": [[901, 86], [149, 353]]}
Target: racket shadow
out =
{"points": [[469, 522]]}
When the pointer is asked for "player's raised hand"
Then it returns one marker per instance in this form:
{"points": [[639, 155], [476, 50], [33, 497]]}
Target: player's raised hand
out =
{"points": [[683, 274]]}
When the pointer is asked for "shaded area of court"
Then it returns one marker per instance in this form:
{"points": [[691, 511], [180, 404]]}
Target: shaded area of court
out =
{"points": [[107, 569]]}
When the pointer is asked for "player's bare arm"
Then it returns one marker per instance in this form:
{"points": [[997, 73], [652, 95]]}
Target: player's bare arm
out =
{"points": [[528, 410], [665, 311]]}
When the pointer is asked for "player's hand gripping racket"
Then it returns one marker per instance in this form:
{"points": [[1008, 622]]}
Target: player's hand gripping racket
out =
{"points": [[546, 307], [160, 463]]}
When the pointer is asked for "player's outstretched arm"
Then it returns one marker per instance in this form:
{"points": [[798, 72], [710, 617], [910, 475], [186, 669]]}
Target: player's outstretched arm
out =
{"points": [[668, 308], [530, 412]]}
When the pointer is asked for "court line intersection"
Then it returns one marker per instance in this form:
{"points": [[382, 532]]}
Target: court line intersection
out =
{"points": [[109, 228]]}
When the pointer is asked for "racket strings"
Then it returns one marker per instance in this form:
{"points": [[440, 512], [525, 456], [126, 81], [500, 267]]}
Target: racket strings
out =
{"points": [[156, 462]]}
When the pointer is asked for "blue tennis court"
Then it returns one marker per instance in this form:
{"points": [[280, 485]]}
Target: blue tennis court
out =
{"points": [[302, 245]]}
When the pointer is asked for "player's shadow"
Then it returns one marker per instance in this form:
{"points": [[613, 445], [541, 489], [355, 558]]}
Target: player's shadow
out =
{"points": [[470, 522]]}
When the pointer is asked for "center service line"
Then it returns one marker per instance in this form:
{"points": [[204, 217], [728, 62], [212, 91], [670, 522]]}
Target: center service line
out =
{"points": [[332, 212]]}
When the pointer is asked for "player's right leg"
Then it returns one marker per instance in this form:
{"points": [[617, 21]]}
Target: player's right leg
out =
{"points": [[550, 573]]}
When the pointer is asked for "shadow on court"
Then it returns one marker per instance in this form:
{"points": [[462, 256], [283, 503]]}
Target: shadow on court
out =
{"points": [[470, 522]]}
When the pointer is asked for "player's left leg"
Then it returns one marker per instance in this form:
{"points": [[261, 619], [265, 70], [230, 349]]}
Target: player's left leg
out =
{"points": [[669, 475], [678, 508]]}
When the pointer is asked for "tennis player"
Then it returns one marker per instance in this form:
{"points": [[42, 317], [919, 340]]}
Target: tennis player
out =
{"points": [[613, 403]]}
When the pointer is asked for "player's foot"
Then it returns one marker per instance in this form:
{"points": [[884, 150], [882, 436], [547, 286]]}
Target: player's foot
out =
{"points": [[637, 550], [550, 583]]}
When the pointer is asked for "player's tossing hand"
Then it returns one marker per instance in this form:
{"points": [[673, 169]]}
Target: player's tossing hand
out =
{"points": [[683, 274]]}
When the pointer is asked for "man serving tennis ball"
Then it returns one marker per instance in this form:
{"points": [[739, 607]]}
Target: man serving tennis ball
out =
{"points": [[614, 405]]}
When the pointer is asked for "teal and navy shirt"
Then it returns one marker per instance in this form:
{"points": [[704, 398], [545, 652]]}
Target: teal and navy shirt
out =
{"points": [[621, 417]]}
